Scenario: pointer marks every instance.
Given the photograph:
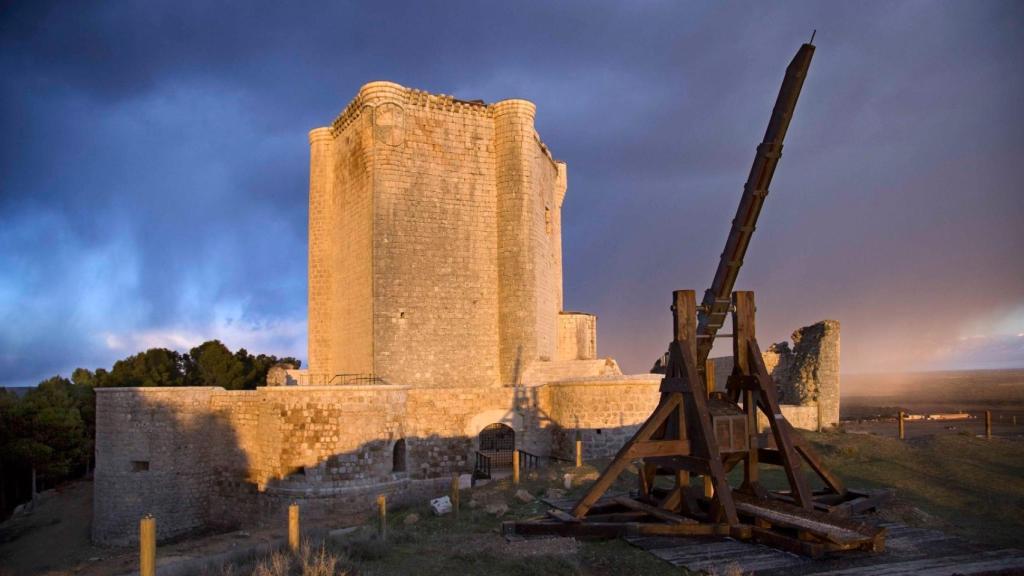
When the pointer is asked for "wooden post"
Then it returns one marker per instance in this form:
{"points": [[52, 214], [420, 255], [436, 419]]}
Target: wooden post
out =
{"points": [[147, 546], [709, 375], [988, 424], [293, 527], [743, 328], [684, 328], [579, 452], [901, 417], [382, 516], [515, 467], [455, 496]]}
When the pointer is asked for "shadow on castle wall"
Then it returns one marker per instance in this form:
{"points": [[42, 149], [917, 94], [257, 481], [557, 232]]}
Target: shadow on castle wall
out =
{"points": [[203, 459]]}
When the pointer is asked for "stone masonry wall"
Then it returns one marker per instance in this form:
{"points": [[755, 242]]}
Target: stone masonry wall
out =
{"points": [[340, 243], [206, 457], [435, 241], [605, 411], [577, 336], [153, 456]]}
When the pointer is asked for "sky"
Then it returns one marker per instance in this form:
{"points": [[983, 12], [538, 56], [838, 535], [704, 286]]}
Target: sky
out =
{"points": [[154, 165]]}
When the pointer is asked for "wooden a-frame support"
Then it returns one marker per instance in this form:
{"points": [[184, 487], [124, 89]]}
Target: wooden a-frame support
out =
{"points": [[679, 437]]}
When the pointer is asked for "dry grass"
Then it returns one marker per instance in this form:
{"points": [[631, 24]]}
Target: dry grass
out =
{"points": [[308, 561]]}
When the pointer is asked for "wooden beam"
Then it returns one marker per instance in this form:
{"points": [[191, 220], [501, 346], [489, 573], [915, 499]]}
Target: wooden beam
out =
{"points": [[658, 513], [780, 428], [814, 461], [723, 492], [649, 529], [658, 448], [743, 323], [684, 318]]}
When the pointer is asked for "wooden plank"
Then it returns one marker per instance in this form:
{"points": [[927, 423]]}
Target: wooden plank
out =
{"points": [[802, 547], [840, 535], [654, 511], [696, 529], [965, 564], [628, 516]]}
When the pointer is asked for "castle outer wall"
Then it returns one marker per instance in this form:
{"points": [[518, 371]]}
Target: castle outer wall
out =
{"points": [[207, 458]]}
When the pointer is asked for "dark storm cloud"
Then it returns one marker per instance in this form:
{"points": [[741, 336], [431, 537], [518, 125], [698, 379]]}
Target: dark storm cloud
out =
{"points": [[153, 164]]}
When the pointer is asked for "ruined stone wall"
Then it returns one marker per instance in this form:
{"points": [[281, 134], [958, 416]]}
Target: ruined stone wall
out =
{"points": [[813, 369], [806, 373]]}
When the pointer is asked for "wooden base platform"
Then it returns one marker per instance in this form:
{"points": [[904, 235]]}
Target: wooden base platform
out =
{"points": [[908, 552]]}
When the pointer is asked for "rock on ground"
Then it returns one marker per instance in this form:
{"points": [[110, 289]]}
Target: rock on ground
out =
{"points": [[498, 509]]}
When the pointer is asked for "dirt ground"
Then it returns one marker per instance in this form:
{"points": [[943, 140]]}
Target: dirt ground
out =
{"points": [[54, 540], [53, 536]]}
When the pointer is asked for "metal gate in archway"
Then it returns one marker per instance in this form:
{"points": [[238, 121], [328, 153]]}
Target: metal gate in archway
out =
{"points": [[497, 442]]}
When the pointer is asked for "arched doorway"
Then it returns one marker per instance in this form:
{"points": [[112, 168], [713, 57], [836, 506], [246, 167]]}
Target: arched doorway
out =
{"points": [[398, 456], [497, 442]]}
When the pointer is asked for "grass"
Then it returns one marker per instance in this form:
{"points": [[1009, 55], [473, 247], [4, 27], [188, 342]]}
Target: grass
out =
{"points": [[969, 486], [972, 486]]}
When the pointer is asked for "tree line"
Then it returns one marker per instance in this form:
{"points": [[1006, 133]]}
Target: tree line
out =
{"points": [[47, 436]]}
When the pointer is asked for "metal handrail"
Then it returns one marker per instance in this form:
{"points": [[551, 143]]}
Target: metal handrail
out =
{"points": [[482, 466], [528, 461]]}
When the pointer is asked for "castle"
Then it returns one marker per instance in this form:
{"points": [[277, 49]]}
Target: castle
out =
{"points": [[437, 338]]}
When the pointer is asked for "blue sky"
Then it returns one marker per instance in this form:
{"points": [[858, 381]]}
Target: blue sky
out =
{"points": [[154, 165]]}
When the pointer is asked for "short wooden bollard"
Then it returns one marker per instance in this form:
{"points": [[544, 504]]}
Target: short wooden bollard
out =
{"points": [[382, 516], [988, 424], [455, 496], [901, 417], [515, 467], [293, 527], [579, 452], [147, 546]]}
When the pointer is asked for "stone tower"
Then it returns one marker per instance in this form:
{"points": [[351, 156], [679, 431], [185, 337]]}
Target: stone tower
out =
{"points": [[435, 254]]}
